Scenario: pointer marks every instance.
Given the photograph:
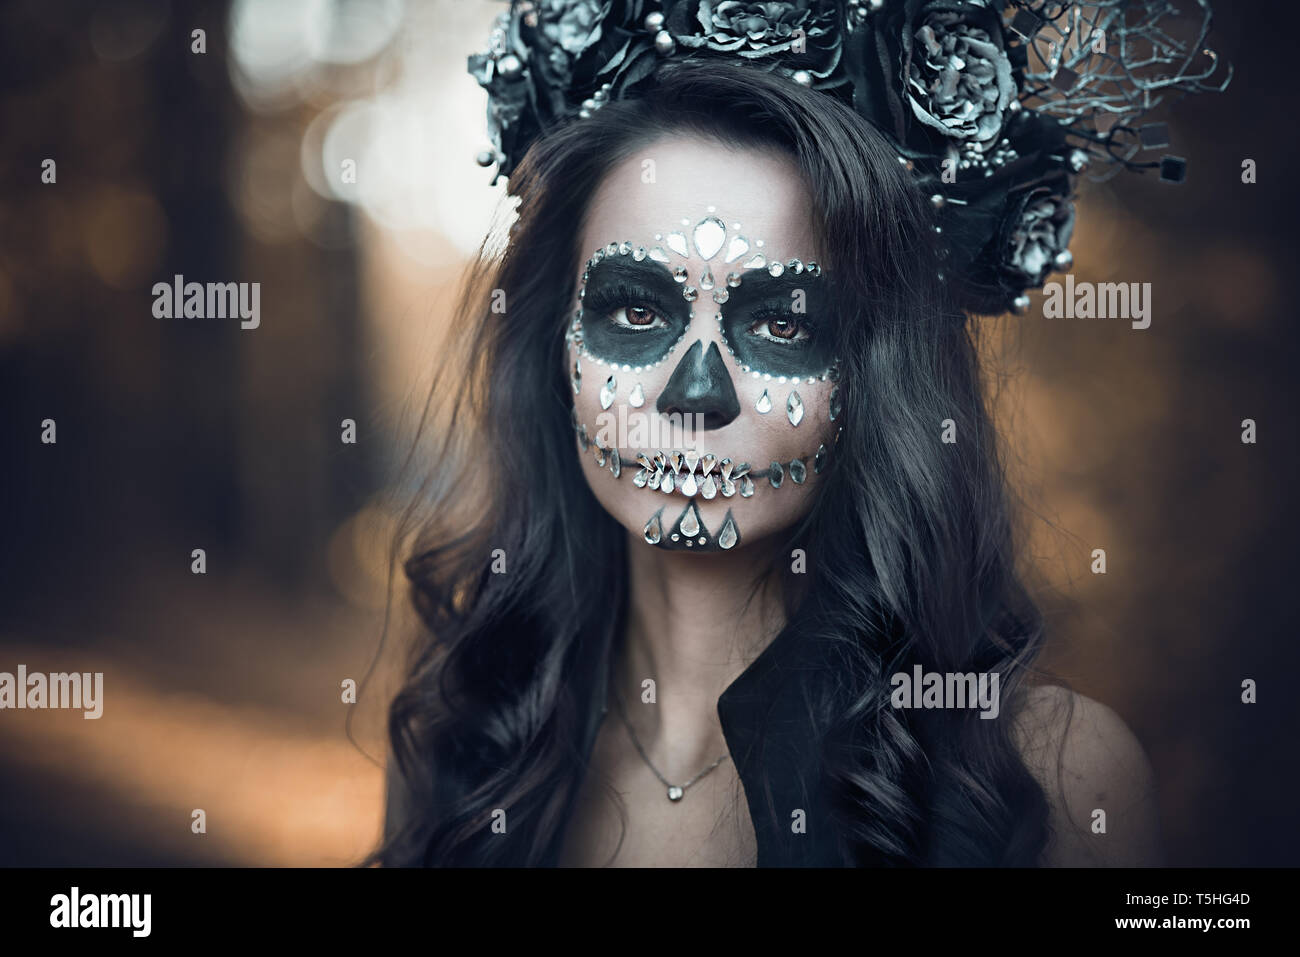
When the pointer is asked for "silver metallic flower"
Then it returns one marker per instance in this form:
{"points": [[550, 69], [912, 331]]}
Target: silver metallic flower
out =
{"points": [[1043, 230], [570, 28], [800, 33], [572, 25], [959, 79]]}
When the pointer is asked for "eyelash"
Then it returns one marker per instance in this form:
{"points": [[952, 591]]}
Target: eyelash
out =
{"points": [[763, 316], [622, 296]]}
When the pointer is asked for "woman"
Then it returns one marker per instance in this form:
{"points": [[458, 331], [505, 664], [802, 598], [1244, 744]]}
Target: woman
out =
{"points": [[698, 646]]}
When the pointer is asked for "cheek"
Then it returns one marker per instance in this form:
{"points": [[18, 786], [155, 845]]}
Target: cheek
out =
{"points": [[787, 423], [607, 396]]}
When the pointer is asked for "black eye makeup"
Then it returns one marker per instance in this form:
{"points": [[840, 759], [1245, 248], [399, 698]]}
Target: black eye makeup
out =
{"points": [[780, 326], [632, 312], [775, 315]]}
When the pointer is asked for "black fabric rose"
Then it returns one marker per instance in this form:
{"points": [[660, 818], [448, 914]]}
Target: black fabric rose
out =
{"points": [[792, 34], [1003, 231], [935, 73], [546, 56]]}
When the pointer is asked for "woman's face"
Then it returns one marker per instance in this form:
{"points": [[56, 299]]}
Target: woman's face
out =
{"points": [[700, 346]]}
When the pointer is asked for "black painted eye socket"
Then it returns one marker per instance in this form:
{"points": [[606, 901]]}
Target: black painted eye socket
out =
{"points": [[632, 312], [781, 325]]}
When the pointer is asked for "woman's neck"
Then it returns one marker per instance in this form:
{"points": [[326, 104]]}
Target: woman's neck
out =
{"points": [[694, 623]]}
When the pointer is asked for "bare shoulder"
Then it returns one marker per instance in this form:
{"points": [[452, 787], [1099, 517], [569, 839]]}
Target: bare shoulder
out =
{"points": [[1097, 778]]}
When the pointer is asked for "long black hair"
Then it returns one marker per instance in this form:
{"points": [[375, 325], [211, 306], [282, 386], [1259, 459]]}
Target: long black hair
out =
{"points": [[910, 537]]}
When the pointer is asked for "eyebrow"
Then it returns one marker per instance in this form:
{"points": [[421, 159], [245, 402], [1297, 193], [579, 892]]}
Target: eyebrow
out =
{"points": [[653, 274]]}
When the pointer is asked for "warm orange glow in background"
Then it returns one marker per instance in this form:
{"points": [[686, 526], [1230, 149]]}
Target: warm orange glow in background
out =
{"points": [[222, 691]]}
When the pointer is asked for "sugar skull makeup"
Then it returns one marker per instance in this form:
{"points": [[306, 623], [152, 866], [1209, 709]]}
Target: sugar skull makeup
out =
{"points": [[704, 381]]}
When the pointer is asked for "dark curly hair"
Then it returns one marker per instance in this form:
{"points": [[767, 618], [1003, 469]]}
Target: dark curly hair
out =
{"points": [[913, 537]]}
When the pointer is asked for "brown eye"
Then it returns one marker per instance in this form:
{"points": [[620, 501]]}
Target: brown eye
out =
{"points": [[636, 317], [779, 329], [783, 328]]}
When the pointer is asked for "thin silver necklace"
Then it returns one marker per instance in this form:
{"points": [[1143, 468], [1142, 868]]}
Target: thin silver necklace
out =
{"points": [[675, 791]]}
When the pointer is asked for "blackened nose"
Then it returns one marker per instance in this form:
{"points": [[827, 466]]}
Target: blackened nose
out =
{"points": [[700, 385]]}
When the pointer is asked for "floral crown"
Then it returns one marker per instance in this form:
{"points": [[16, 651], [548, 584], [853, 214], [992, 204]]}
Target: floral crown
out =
{"points": [[995, 106]]}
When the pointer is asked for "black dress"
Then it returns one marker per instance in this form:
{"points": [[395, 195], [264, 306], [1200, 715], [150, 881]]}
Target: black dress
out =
{"points": [[767, 717], [768, 720]]}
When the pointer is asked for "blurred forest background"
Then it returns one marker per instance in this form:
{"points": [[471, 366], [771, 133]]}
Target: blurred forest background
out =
{"points": [[223, 690]]}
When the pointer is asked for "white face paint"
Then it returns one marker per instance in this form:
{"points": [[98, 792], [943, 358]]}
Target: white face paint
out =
{"points": [[702, 340]]}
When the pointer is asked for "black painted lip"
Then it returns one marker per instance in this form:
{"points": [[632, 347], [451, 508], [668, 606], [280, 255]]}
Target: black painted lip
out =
{"points": [[629, 460], [630, 464]]}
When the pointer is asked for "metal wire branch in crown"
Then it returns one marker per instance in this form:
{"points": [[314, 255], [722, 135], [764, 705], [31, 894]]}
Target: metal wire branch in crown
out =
{"points": [[1100, 68], [994, 106]]}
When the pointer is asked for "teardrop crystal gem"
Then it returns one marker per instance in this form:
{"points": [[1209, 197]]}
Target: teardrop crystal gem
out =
{"points": [[658, 255], [641, 477], [819, 460], [706, 281], [709, 235], [636, 398], [689, 486], [794, 408], [643, 460], [798, 471], [600, 456], [615, 463], [666, 486], [746, 487], [607, 392], [764, 403], [727, 535], [689, 523], [677, 243], [654, 530], [709, 487], [691, 459], [707, 463], [757, 261], [577, 376], [728, 488], [738, 246], [675, 460], [655, 478], [776, 474], [725, 468]]}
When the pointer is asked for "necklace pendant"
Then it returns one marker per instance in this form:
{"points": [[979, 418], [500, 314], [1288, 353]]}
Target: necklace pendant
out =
{"points": [[675, 793]]}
